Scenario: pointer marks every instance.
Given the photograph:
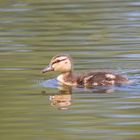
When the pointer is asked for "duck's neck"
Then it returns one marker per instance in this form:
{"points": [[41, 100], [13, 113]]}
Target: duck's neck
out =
{"points": [[67, 78]]}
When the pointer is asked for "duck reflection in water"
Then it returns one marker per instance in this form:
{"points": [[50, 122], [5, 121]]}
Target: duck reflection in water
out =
{"points": [[63, 99]]}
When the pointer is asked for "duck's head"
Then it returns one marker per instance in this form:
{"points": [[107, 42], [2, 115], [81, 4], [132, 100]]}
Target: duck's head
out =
{"points": [[59, 63]]}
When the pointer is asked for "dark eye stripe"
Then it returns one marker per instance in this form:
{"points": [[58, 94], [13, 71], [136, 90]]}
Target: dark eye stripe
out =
{"points": [[57, 61]]}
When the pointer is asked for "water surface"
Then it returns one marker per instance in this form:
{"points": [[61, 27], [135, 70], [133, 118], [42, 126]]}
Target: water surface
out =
{"points": [[100, 34]]}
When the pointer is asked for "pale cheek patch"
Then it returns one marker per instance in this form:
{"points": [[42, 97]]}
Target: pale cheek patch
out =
{"points": [[110, 76]]}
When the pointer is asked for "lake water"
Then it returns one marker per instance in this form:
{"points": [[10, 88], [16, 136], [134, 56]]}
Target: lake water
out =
{"points": [[100, 34]]}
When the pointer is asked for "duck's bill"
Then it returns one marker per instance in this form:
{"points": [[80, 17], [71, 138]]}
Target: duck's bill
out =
{"points": [[47, 69]]}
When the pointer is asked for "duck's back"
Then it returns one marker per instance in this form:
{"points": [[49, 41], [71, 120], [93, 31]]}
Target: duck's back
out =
{"points": [[101, 79]]}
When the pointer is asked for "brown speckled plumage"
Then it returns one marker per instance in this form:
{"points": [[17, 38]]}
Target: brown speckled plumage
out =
{"points": [[101, 79]]}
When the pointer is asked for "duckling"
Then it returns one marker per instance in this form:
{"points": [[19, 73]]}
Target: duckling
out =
{"points": [[63, 64]]}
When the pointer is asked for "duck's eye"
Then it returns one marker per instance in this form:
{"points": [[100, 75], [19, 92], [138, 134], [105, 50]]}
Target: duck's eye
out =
{"points": [[57, 61]]}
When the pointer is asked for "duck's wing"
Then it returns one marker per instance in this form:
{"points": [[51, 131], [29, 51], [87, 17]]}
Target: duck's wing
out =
{"points": [[99, 78], [103, 79]]}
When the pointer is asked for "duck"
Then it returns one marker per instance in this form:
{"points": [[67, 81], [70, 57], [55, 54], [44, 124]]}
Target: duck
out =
{"points": [[63, 64]]}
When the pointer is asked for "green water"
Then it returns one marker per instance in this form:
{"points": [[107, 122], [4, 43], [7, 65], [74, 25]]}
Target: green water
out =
{"points": [[98, 35]]}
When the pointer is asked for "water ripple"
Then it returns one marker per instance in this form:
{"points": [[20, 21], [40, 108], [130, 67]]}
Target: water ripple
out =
{"points": [[123, 116]]}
